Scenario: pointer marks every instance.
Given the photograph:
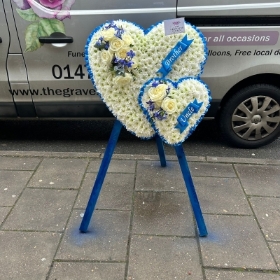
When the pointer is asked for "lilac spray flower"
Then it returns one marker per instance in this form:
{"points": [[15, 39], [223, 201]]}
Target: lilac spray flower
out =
{"points": [[151, 105], [131, 54], [155, 83], [160, 115]]}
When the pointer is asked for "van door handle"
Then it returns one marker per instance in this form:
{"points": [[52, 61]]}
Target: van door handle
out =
{"points": [[0, 40], [56, 38]]}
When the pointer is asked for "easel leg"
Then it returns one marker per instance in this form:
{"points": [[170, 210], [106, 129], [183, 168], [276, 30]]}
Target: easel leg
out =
{"points": [[191, 190], [101, 175], [160, 151]]}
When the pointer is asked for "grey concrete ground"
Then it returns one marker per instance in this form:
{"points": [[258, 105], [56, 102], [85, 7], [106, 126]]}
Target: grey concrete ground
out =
{"points": [[143, 227]]}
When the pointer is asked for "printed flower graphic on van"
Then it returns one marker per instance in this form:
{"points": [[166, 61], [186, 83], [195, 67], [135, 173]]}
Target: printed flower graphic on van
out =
{"points": [[46, 17]]}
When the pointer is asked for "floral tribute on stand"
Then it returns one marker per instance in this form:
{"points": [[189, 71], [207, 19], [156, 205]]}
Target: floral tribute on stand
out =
{"points": [[122, 57]]}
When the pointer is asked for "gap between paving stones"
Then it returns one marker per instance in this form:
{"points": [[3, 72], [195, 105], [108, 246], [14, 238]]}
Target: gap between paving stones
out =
{"points": [[137, 157]]}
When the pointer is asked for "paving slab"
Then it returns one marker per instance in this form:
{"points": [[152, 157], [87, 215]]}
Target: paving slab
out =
{"points": [[87, 271], [17, 163], [239, 275], [275, 249], [41, 209], [106, 239], [3, 213], [151, 176], [116, 192], [236, 242], [211, 169], [243, 160], [163, 213], [262, 180], [12, 184], [153, 257], [59, 173], [27, 255], [221, 196], [267, 210], [117, 166]]}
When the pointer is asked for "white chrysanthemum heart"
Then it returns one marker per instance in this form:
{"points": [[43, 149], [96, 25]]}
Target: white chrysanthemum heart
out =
{"points": [[150, 48], [185, 92]]}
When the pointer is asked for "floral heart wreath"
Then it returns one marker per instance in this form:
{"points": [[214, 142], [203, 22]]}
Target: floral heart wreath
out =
{"points": [[150, 81]]}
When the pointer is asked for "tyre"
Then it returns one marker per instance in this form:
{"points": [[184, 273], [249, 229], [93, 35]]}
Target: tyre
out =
{"points": [[251, 117]]}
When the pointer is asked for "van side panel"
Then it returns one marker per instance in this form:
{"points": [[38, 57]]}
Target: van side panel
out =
{"points": [[57, 76], [7, 108]]}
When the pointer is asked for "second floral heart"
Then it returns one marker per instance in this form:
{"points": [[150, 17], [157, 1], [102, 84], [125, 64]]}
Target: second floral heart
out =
{"points": [[174, 108]]}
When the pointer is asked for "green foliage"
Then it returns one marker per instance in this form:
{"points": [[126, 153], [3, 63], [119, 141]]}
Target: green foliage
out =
{"points": [[38, 28]]}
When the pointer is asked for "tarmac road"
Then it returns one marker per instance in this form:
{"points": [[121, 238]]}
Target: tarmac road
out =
{"points": [[92, 136]]}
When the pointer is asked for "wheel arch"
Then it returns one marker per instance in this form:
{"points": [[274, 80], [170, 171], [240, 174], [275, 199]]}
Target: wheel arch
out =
{"points": [[266, 78]]}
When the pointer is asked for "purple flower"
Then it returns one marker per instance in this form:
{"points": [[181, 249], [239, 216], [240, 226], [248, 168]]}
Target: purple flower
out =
{"points": [[106, 47], [119, 32], [155, 83], [131, 53], [128, 63], [151, 105], [111, 24], [57, 9], [160, 115]]}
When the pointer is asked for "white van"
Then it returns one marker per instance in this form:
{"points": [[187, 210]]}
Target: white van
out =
{"points": [[43, 72]]}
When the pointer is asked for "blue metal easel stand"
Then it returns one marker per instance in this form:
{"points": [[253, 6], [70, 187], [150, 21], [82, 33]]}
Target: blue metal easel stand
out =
{"points": [[103, 171], [104, 167], [191, 191], [101, 175], [161, 151]]}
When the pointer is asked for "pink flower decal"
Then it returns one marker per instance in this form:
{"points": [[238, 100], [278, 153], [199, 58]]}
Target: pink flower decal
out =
{"points": [[52, 3], [22, 4], [56, 9]]}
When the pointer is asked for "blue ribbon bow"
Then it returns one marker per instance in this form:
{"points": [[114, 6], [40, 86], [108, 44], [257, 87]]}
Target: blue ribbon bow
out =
{"points": [[174, 54], [191, 109]]}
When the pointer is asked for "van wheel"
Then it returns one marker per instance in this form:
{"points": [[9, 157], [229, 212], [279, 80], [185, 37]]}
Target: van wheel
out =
{"points": [[251, 117]]}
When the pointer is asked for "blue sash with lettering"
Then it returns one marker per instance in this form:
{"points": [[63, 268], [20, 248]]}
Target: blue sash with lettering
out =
{"points": [[174, 54], [191, 109]]}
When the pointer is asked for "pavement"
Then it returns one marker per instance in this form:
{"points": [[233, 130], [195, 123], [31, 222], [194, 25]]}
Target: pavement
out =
{"points": [[143, 227]]}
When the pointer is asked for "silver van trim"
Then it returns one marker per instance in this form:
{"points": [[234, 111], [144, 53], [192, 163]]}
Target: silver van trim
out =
{"points": [[122, 11], [229, 7], [161, 10]]}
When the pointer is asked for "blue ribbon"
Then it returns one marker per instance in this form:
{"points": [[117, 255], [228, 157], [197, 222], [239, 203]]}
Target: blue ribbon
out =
{"points": [[174, 54], [191, 109]]}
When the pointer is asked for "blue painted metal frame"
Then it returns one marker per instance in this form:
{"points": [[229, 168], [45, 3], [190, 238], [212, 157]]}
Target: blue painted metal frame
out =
{"points": [[101, 175], [191, 190], [104, 167], [160, 151]]}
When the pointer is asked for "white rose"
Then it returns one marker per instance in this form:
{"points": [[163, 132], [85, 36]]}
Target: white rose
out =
{"points": [[157, 94], [116, 44], [127, 39], [122, 53], [108, 34], [106, 57], [169, 105], [123, 80]]}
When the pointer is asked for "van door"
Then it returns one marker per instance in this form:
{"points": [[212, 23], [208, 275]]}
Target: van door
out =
{"points": [[7, 108], [58, 79]]}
